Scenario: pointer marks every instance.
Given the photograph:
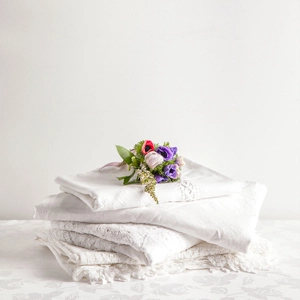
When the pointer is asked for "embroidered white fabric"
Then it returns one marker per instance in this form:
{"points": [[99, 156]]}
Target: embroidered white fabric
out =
{"points": [[204, 221], [101, 190], [147, 244], [228, 221], [103, 267], [30, 271]]}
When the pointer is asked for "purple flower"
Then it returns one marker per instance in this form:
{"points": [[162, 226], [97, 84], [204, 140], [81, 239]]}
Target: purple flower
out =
{"points": [[171, 171], [174, 150], [160, 179], [166, 152]]}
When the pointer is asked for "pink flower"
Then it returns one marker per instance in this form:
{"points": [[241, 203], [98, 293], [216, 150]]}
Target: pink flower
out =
{"points": [[153, 159], [178, 171], [179, 161]]}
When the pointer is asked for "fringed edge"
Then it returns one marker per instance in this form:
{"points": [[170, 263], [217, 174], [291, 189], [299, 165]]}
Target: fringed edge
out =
{"points": [[259, 257]]}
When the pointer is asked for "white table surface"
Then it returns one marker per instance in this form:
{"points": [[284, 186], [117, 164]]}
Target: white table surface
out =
{"points": [[30, 271]]}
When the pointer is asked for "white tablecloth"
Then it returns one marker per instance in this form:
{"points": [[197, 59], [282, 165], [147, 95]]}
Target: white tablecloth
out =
{"points": [[30, 271]]}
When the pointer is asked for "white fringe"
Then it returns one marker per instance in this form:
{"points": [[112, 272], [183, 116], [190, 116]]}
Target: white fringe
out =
{"points": [[259, 257]]}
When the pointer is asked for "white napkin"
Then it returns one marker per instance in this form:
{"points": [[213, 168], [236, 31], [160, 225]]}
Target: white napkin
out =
{"points": [[101, 190]]}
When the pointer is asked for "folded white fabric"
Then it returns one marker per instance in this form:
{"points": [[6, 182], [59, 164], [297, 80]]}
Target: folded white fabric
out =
{"points": [[104, 231], [101, 190], [228, 221], [147, 244], [102, 267]]}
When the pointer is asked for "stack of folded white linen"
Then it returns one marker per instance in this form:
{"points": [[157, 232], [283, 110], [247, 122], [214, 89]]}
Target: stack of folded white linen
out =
{"points": [[102, 230]]}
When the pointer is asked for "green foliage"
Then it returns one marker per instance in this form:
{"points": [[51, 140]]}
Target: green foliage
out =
{"points": [[135, 162], [138, 147], [140, 158], [159, 169], [125, 154], [147, 179], [126, 179]]}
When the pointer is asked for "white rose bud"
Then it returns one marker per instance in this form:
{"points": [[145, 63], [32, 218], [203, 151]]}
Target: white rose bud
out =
{"points": [[179, 161], [153, 159]]}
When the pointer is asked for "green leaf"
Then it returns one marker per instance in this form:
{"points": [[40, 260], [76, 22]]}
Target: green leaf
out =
{"points": [[133, 182], [125, 154], [126, 178]]}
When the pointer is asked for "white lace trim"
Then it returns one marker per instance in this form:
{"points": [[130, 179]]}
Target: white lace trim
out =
{"points": [[259, 257], [189, 191], [148, 244]]}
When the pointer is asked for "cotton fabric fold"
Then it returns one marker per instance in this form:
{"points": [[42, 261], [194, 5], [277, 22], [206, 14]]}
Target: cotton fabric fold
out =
{"points": [[101, 190], [103, 267], [97, 222], [147, 244], [227, 221]]}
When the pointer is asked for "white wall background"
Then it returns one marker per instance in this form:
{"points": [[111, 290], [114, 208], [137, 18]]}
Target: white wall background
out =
{"points": [[219, 79]]}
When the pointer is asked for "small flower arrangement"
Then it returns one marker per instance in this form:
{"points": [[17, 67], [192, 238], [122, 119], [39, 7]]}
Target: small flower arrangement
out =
{"points": [[151, 164]]}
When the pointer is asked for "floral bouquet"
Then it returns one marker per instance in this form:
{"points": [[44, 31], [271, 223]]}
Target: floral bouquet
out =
{"points": [[151, 164]]}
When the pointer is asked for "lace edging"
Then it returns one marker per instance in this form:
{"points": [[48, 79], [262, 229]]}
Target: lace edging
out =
{"points": [[259, 257]]}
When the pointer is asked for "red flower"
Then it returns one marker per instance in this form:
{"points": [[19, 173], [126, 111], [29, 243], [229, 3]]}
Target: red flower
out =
{"points": [[148, 146]]}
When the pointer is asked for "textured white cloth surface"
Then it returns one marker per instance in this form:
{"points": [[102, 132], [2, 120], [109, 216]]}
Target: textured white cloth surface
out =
{"points": [[101, 190], [147, 244], [82, 256], [208, 218], [102, 267], [29, 271], [227, 221]]}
